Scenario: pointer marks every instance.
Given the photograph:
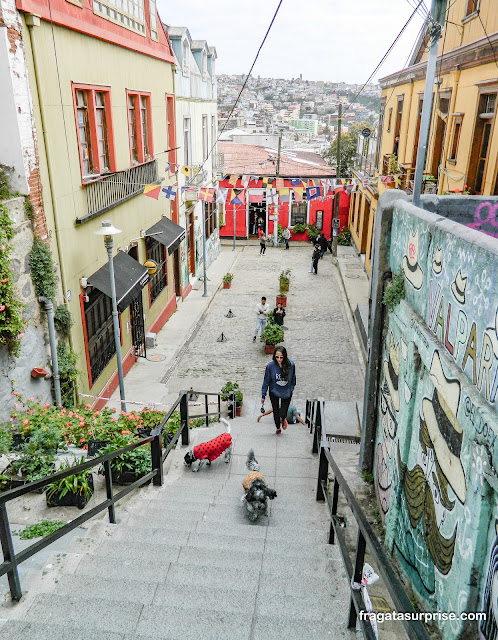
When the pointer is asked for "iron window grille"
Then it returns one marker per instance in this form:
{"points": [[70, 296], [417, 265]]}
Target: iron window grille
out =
{"points": [[100, 332], [159, 280]]}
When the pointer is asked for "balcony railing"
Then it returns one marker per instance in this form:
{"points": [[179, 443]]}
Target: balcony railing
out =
{"points": [[113, 189]]}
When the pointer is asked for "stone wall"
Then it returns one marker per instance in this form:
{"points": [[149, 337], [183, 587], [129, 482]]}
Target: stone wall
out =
{"points": [[435, 446], [34, 350]]}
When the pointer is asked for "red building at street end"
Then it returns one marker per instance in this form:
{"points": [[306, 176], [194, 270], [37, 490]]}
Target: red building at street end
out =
{"points": [[304, 191]]}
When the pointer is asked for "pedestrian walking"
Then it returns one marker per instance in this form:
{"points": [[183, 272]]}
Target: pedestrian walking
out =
{"points": [[286, 236], [293, 415], [262, 311], [314, 259], [279, 314], [262, 244], [322, 241], [280, 380], [260, 224]]}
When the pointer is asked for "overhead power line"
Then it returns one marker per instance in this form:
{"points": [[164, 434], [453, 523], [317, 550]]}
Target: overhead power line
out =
{"points": [[245, 82], [388, 51]]}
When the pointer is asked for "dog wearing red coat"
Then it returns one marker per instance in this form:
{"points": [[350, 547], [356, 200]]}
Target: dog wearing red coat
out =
{"points": [[206, 452]]}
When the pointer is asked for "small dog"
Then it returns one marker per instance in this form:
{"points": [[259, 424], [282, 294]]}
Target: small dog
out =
{"points": [[206, 452], [257, 491]]}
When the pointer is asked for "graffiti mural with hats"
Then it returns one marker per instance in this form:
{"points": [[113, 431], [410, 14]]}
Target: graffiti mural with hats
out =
{"points": [[436, 448]]}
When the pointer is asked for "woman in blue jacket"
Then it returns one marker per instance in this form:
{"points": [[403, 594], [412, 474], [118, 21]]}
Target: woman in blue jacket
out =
{"points": [[280, 379]]}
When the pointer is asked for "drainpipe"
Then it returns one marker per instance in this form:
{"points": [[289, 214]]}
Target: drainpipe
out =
{"points": [[31, 22], [49, 310]]}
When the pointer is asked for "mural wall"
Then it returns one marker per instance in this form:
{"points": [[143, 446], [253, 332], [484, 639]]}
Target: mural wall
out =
{"points": [[437, 449]]}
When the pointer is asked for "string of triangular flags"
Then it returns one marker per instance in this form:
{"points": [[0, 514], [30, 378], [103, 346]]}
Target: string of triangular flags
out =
{"points": [[276, 191]]}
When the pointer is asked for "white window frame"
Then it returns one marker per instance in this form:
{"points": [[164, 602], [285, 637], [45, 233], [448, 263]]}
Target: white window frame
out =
{"points": [[187, 142], [186, 56]]}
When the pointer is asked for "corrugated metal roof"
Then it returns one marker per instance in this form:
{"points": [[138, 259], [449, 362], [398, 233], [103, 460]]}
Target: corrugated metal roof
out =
{"points": [[255, 160]]}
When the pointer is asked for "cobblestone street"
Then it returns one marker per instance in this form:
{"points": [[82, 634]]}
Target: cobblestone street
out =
{"points": [[319, 337]]}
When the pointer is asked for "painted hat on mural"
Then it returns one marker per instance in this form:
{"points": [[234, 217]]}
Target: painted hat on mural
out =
{"points": [[437, 261], [411, 267], [391, 371], [445, 431], [458, 287]]}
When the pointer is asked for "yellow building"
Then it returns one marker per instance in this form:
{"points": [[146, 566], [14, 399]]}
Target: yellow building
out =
{"points": [[101, 81], [462, 153]]}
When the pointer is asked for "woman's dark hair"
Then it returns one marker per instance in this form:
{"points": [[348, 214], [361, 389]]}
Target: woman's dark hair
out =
{"points": [[286, 365]]}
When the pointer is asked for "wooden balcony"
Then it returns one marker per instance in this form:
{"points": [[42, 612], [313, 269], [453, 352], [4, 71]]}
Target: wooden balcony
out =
{"points": [[110, 190]]}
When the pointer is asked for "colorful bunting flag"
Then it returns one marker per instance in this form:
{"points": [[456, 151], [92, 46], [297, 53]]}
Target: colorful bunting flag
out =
{"points": [[152, 190], [221, 195], [298, 194], [267, 181], [187, 171], [312, 193], [280, 183], [296, 182], [168, 192], [254, 197], [233, 180], [168, 166], [237, 196], [206, 194], [271, 196]]}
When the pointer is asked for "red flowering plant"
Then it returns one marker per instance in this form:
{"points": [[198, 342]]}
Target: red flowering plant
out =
{"points": [[41, 422]]}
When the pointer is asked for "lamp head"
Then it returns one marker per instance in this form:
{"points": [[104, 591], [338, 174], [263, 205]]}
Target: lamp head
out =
{"points": [[107, 230]]}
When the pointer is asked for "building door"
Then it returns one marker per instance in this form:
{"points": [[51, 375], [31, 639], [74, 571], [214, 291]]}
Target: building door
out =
{"points": [[480, 146], [137, 327], [176, 273], [190, 243], [257, 212]]}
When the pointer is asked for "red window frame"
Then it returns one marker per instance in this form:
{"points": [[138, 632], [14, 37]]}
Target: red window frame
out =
{"points": [[171, 144], [94, 158], [145, 152]]}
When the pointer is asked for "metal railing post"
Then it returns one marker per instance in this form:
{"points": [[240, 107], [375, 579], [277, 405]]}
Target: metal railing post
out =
{"points": [[317, 434], [358, 570], [323, 471], [335, 501], [184, 417], [157, 458], [9, 554], [231, 405], [219, 407], [206, 404], [109, 492], [307, 415]]}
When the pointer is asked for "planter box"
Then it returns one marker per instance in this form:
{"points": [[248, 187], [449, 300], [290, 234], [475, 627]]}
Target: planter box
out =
{"points": [[238, 410], [144, 433], [94, 446], [283, 300], [70, 499], [227, 285], [125, 478], [15, 481], [270, 348]]}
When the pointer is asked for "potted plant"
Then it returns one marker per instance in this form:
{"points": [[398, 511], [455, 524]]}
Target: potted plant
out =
{"points": [[239, 396], [227, 280], [72, 491], [282, 297], [129, 466], [271, 336], [28, 468], [284, 279], [312, 232]]}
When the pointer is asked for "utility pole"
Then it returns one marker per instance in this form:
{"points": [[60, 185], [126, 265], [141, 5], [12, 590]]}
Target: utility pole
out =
{"points": [[277, 173], [435, 25], [338, 175]]}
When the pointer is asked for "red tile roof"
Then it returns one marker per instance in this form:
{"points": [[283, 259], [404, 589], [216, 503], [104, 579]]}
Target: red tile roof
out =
{"points": [[254, 160]]}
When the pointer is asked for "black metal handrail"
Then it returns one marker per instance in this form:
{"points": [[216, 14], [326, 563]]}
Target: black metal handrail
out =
{"points": [[11, 560], [315, 419]]}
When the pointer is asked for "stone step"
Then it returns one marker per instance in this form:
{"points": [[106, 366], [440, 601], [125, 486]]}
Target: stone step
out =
{"points": [[145, 570], [124, 590], [21, 629], [138, 549]]}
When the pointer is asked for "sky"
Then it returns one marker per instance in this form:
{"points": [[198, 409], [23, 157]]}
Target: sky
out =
{"points": [[330, 40]]}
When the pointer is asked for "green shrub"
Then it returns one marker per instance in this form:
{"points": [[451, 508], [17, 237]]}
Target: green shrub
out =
{"points": [[68, 372], [395, 291], [63, 319], [41, 529], [42, 270], [344, 238]]}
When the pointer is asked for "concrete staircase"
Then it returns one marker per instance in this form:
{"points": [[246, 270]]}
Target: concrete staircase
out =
{"points": [[184, 562]]}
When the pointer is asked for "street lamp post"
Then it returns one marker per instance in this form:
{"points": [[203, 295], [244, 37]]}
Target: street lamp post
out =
{"points": [[108, 230]]}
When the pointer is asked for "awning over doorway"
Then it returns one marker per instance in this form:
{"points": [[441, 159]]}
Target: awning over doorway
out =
{"points": [[167, 233], [130, 277]]}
